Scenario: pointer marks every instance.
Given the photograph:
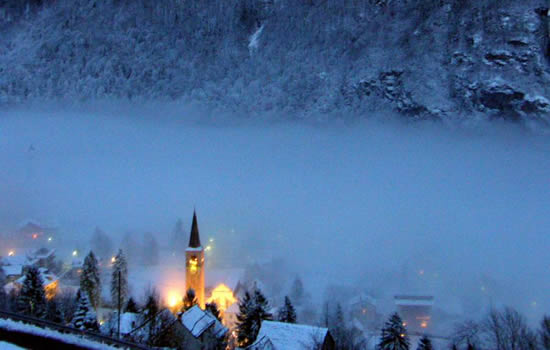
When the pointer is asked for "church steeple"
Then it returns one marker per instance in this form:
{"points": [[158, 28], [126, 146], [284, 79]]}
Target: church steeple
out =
{"points": [[194, 238], [194, 263]]}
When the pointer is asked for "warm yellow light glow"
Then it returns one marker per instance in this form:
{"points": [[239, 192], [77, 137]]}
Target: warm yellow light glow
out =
{"points": [[193, 265], [208, 247], [404, 324], [113, 259], [51, 290], [11, 253], [34, 236], [223, 296], [75, 252], [424, 324], [173, 298], [402, 335]]}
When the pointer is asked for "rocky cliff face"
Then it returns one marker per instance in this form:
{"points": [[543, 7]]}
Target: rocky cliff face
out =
{"points": [[434, 59]]}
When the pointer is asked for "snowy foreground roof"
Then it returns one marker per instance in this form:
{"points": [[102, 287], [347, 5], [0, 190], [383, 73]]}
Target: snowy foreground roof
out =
{"points": [[287, 336], [197, 321]]}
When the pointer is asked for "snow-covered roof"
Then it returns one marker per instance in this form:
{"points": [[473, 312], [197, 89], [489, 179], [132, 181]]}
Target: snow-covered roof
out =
{"points": [[13, 270], [14, 260], [413, 300], [41, 253], [197, 321], [287, 336], [47, 277]]}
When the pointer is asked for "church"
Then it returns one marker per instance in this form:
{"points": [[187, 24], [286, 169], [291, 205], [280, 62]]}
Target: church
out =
{"points": [[213, 286]]}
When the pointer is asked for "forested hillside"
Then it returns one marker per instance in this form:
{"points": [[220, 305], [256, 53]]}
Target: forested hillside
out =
{"points": [[315, 59]]}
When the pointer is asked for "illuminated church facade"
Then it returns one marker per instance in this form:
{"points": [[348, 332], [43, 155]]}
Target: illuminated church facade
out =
{"points": [[223, 285]]}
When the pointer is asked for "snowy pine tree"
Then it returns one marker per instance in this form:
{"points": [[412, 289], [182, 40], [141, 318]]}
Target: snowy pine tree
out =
{"points": [[150, 314], [89, 279], [120, 267], [545, 333], [84, 317], [213, 309], [287, 313], [253, 309], [131, 306], [3, 295], [32, 299], [189, 300], [338, 329], [425, 344], [54, 312], [297, 293], [394, 335]]}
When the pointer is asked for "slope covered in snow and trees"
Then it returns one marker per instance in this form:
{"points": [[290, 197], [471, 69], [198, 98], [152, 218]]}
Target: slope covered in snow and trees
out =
{"points": [[314, 59]]}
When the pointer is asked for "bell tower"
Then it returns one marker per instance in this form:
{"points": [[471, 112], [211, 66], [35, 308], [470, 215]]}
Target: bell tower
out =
{"points": [[194, 263]]}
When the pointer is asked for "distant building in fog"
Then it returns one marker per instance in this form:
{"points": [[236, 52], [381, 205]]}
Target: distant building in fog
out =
{"points": [[415, 310]]}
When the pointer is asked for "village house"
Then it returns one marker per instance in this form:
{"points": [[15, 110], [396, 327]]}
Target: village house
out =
{"points": [[287, 336], [200, 330], [415, 310], [50, 283]]}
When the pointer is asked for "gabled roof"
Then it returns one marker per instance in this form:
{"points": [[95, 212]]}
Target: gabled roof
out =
{"points": [[287, 336], [194, 238], [197, 321]]}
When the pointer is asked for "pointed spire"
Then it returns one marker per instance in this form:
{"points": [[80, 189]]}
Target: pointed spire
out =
{"points": [[194, 238]]}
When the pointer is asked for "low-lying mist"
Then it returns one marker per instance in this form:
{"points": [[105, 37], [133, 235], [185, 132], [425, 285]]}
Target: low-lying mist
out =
{"points": [[387, 208]]}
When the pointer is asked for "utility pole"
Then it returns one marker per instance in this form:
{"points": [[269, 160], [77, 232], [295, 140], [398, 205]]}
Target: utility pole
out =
{"points": [[118, 327]]}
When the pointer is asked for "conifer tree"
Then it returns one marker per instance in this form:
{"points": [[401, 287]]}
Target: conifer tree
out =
{"points": [[3, 295], [32, 299], [297, 291], [189, 300], [150, 313], [120, 267], [425, 344], [253, 309], [54, 312], [339, 327], [89, 280], [84, 317], [394, 335], [131, 306], [287, 313], [545, 333], [213, 309]]}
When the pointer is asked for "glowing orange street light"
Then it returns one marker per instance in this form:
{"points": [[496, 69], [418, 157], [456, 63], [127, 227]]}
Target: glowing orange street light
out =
{"points": [[113, 259], [34, 235], [424, 324], [11, 253]]}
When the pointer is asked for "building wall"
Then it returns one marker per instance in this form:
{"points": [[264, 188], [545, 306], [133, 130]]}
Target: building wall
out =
{"points": [[194, 273]]}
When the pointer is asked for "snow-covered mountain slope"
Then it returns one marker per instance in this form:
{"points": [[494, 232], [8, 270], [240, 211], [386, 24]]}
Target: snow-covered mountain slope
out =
{"points": [[429, 59]]}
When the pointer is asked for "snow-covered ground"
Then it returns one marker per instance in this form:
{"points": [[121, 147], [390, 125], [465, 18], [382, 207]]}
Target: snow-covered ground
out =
{"points": [[65, 338], [8, 346]]}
